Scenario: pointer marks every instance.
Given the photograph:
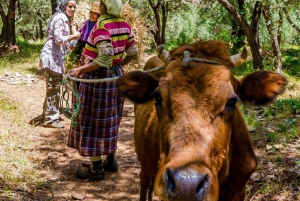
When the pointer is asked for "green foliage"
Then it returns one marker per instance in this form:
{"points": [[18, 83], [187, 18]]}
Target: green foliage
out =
{"points": [[70, 60], [291, 105], [244, 69], [191, 26], [181, 29], [35, 17], [290, 60]]}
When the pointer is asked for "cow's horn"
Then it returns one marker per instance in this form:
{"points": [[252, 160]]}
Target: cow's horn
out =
{"points": [[240, 58], [159, 49], [164, 56], [162, 53]]}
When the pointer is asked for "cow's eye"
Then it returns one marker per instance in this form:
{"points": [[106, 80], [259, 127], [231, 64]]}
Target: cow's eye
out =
{"points": [[231, 103], [157, 98]]}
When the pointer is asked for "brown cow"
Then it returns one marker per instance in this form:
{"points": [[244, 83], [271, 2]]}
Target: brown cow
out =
{"points": [[190, 135]]}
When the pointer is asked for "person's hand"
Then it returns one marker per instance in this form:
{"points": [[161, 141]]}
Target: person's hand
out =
{"points": [[75, 72], [77, 35]]}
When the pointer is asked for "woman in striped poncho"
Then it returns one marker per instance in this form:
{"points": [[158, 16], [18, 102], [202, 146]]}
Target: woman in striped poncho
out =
{"points": [[96, 131]]}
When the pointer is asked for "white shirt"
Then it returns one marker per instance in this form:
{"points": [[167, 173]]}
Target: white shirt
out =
{"points": [[56, 44]]}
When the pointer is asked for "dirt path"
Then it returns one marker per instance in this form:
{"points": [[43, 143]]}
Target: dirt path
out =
{"points": [[50, 144], [62, 161]]}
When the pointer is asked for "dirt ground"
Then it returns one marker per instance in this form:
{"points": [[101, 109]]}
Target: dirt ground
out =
{"points": [[55, 155], [124, 185]]}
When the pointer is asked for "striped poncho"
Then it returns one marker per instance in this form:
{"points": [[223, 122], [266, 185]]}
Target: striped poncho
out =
{"points": [[96, 131], [113, 30]]}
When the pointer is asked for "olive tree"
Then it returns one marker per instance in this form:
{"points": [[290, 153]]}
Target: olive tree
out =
{"points": [[10, 12], [158, 12]]}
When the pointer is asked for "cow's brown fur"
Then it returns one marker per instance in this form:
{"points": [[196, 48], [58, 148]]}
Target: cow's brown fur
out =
{"points": [[193, 142], [153, 62]]}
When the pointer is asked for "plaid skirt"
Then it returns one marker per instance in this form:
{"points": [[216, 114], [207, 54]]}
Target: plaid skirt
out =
{"points": [[96, 130]]}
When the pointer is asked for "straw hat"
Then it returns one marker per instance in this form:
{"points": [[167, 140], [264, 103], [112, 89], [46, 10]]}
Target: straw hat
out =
{"points": [[95, 7]]}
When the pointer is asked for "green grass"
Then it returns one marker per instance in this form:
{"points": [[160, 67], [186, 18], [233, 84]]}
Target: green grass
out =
{"points": [[282, 116], [25, 61], [17, 161]]}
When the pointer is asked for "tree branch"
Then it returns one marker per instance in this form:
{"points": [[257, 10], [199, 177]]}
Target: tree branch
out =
{"points": [[2, 13], [289, 19], [20, 11]]}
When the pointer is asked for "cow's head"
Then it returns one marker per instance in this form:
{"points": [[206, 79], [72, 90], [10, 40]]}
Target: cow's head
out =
{"points": [[196, 106]]}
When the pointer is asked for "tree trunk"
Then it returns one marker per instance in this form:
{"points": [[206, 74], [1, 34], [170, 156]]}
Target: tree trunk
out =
{"points": [[280, 23], [161, 16], [53, 6], [41, 29], [255, 22], [8, 35], [237, 33], [253, 43], [157, 32], [164, 23], [273, 38], [40, 26]]}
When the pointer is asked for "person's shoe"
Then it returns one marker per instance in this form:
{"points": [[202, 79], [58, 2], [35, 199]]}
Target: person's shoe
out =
{"points": [[111, 164], [54, 124], [94, 173]]}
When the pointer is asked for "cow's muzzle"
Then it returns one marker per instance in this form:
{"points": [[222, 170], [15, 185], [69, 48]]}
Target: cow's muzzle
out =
{"points": [[185, 184]]}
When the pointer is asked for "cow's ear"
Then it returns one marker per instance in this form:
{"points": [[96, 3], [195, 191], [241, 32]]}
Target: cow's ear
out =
{"points": [[261, 87], [137, 86]]}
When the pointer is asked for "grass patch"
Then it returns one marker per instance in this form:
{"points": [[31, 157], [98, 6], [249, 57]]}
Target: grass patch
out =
{"points": [[18, 159], [25, 61], [282, 117], [10, 110], [290, 60]]}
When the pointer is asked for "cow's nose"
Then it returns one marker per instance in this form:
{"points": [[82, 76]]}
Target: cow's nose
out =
{"points": [[186, 184]]}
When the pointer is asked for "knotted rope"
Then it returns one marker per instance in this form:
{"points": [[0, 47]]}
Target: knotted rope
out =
{"points": [[67, 110], [70, 82], [187, 59]]}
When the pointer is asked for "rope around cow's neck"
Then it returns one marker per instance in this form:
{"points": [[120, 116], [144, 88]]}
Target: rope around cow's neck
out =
{"points": [[187, 59], [65, 98]]}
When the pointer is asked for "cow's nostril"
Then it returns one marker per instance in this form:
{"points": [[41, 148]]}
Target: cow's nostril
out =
{"points": [[203, 183], [170, 180], [185, 184]]}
